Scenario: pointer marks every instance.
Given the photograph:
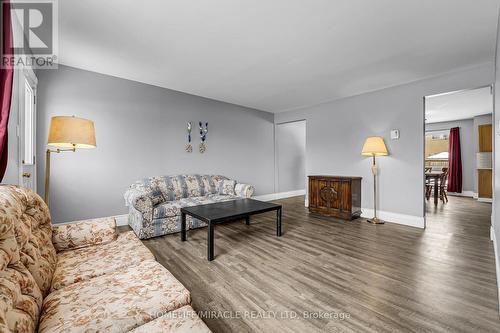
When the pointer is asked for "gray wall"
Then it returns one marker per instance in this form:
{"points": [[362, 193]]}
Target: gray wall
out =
{"points": [[336, 132], [141, 131], [291, 156], [479, 120], [467, 149]]}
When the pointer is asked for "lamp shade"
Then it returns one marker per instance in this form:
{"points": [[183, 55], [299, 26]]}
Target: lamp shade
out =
{"points": [[374, 146], [71, 132]]}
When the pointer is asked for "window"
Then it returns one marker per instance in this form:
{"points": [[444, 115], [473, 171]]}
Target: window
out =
{"points": [[29, 121], [436, 149]]}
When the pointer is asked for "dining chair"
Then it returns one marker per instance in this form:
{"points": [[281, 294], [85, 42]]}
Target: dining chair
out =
{"points": [[443, 185], [428, 184]]}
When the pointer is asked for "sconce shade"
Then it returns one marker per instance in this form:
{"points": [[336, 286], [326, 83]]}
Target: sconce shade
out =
{"points": [[374, 146], [71, 132]]}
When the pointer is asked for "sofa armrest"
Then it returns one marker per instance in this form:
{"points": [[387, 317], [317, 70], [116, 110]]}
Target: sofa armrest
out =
{"points": [[84, 233], [244, 190]]}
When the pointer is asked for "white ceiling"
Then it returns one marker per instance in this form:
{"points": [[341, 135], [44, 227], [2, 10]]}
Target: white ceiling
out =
{"points": [[276, 55], [459, 105]]}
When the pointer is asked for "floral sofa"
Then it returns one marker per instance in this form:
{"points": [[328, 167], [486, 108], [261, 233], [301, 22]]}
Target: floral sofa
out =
{"points": [[81, 277], [155, 203]]}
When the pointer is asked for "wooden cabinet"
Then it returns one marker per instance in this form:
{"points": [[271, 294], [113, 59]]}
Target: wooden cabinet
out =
{"points": [[485, 138], [484, 176], [336, 196]]}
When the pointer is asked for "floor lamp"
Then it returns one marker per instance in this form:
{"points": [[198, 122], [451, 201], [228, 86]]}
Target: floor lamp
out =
{"points": [[374, 146], [67, 134]]}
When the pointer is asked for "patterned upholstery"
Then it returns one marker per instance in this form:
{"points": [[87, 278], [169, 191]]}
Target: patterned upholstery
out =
{"points": [[86, 263], [150, 220], [183, 320], [108, 286], [21, 298], [115, 302], [173, 208], [30, 218], [84, 233]]}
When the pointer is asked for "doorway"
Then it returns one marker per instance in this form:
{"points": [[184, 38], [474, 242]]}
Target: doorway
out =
{"points": [[291, 157], [458, 156]]}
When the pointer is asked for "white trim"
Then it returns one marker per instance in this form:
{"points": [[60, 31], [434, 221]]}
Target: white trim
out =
{"points": [[497, 259], [121, 220], [475, 195], [409, 220], [281, 195], [463, 194], [485, 200]]}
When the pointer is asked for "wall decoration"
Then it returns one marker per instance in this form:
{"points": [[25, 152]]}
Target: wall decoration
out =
{"points": [[189, 147], [203, 136]]}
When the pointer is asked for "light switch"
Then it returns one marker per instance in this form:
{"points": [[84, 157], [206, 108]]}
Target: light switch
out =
{"points": [[395, 134]]}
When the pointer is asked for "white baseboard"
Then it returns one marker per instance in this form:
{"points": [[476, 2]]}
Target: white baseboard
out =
{"points": [[485, 200], [475, 195], [281, 195], [409, 220], [121, 220], [497, 260], [469, 194]]}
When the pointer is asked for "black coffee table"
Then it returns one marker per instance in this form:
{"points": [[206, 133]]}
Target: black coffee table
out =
{"points": [[227, 211]]}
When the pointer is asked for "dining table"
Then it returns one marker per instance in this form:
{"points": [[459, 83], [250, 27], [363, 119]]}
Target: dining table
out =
{"points": [[434, 176]]}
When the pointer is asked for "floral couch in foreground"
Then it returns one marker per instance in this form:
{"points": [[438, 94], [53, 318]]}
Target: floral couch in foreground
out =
{"points": [[155, 203], [82, 277]]}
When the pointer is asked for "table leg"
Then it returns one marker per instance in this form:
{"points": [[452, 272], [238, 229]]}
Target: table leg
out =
{"points": [[183, 227], [247, 220], [436, 191], [210, 249], [278, 222]]}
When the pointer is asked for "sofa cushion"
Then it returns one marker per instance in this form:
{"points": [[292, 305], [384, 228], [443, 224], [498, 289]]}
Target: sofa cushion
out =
{"points": [[20, 296], [89, 262], [173, 187], [116, 302], [194, 185], [209, 185], [156, 196], [173, 208], [183, 320], [30, 218], [227, 187], [84, 233]]}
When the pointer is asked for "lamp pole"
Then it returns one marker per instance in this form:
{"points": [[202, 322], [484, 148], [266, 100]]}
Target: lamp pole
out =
{"points": [[47, 170], [375, 219]]}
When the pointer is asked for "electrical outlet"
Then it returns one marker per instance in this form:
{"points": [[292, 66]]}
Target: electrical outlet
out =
{"points": [[395, 134]]}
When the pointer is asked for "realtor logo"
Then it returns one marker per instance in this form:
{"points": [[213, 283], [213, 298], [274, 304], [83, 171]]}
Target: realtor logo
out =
{"points": [[35, 29]]}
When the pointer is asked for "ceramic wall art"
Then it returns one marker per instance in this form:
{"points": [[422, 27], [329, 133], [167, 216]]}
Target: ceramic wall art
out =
{"points": [[189, 147], [203, 136]]}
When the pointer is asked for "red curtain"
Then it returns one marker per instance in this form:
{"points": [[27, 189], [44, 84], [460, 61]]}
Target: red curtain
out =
{"points": [[455, 162], [6, 76]]}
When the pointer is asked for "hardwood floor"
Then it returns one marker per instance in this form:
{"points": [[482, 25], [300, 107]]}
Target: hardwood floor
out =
{"points": [[385, 278]]}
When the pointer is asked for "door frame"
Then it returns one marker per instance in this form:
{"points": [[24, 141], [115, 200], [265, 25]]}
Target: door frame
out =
{"points": [[276, 155], [492, 90], [26, 74]]}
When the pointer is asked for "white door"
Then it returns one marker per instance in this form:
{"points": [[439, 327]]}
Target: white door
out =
{"points": [[27, 128]]}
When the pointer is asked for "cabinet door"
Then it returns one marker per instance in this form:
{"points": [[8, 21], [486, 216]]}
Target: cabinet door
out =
{"points": [[335, 195], [485, 189], [485, 138], [324, 194], [345, 194]]}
